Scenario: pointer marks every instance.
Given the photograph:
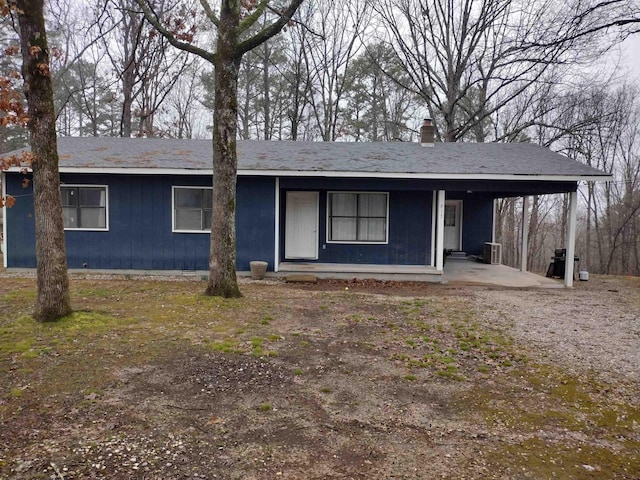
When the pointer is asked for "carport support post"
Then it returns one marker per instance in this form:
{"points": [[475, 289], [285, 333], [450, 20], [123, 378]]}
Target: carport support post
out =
{"points": [[524, 249], [440, 232], [571, 240]]}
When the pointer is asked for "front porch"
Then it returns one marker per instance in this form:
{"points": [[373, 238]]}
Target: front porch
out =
{"points": [[463, 270], [401, 273]]}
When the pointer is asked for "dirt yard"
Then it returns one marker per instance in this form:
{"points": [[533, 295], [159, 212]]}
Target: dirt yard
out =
{"points": [[335, 380]]}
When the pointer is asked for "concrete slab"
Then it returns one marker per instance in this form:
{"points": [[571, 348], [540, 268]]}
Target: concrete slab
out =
{"points": [[400, 273], [472, 271]]}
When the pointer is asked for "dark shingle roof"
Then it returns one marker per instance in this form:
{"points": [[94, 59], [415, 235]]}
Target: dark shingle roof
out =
{"points": [[468, 159]]}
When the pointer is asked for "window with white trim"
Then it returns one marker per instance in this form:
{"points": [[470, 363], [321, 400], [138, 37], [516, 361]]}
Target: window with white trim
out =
{"points": [[192, 209], [357, 217], [84, 207]]}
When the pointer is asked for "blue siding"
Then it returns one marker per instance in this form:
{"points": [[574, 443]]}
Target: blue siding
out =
{"points": [[140, 220], [409, 236], [20, 224], [140, 235], [255, 221], [477, 220]]}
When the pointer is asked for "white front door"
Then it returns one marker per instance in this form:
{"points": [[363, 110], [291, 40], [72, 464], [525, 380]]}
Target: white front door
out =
{"points": [[453, 225], [301, 226]]}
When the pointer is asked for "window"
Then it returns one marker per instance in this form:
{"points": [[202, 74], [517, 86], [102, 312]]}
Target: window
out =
{"points": [[357, 217], [450, 213], [84, 207], [192, 209]]}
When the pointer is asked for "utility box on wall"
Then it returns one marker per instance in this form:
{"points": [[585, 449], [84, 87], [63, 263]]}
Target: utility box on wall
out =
{"points": [[492, 253]]}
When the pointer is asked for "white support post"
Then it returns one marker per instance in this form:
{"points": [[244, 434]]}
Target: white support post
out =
{"points": [[440, 232], [571, 240], [524, 249], [493, 220], [434, 221]]}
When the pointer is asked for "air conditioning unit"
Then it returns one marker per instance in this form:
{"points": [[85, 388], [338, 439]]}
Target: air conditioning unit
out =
{"points": [[492, 253]]}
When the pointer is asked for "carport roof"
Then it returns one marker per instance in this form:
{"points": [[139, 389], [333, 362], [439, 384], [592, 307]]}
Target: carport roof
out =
{"points": [[348, 159]]}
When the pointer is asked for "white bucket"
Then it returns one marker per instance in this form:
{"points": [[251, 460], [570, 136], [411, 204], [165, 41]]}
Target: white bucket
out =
{"points": [[583, 275]]}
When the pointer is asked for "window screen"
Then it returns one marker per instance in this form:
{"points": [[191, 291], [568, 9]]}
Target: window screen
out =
{"points": [[84, 207], [192, 208], [357, 217]]}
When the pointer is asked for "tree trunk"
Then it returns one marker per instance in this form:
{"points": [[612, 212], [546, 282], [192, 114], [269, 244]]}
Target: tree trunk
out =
{"points": [[222, 258], [52, 300]]}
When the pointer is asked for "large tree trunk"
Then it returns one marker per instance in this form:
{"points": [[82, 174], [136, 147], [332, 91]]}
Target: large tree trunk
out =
{"points": [[222, 258], [52, 301]]}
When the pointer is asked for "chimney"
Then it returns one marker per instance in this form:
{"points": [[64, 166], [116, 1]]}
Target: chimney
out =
{"points": [[427, 133]]}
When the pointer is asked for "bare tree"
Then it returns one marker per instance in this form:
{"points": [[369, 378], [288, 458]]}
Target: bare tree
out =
{"points": [[141, 60], [232, 23], [469, 59], [328, 56]]}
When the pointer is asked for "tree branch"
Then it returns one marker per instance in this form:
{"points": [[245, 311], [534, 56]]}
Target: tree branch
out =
{"points": [[209, 12], [253, 18], [152, 18], [268, 32]]}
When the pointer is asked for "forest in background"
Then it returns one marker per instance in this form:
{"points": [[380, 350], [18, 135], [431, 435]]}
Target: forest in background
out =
{"points": [[357, 70]]}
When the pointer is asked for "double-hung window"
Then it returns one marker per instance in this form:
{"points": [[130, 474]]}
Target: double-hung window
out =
{"points": [[192, 208], [84, 207], [357, 217]]}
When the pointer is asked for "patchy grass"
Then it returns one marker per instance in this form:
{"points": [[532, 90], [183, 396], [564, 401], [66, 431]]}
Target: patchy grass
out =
{"points": [[151, 379], [560, 426]]}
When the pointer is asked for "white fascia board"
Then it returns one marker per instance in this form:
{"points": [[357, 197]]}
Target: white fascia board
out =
{"points": [[338, 174], [428, 176]]}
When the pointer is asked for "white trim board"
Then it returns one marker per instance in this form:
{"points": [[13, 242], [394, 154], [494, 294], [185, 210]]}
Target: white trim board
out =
{"points": [[335, 174]]}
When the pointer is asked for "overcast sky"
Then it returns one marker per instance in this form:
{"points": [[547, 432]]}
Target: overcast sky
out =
{"points": [[632, 56]]}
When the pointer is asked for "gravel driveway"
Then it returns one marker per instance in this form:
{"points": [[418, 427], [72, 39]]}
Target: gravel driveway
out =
{"points": [[594, 327]]}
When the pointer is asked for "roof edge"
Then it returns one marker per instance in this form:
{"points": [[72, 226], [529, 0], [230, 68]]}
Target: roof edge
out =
{"points": [[335, 174]]}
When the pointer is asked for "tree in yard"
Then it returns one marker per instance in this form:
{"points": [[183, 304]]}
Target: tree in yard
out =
{"points": [[52, 301], [232, 23]]}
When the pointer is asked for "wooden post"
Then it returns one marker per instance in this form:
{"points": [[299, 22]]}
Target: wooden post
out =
{"points": [[571, 239], [440, 232], [524, 250]]}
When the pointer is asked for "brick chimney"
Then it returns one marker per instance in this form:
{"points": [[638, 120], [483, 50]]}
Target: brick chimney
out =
{"points": [[427, 133]]}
